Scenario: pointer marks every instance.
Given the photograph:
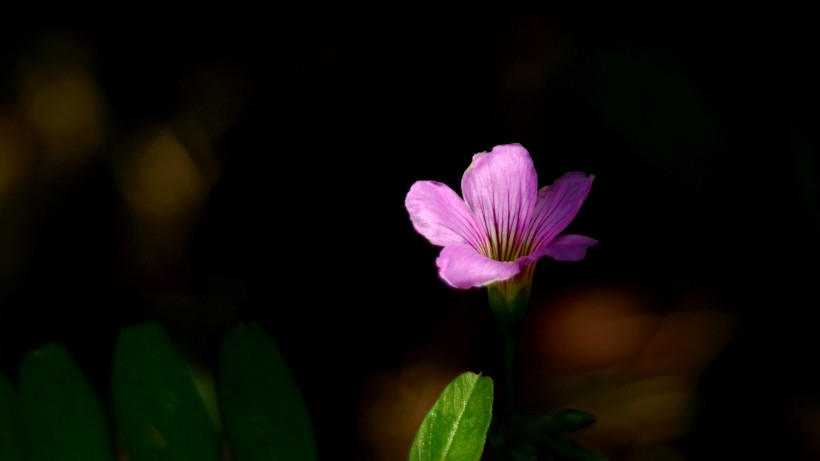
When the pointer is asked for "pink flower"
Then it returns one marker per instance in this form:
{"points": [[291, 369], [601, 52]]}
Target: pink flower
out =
{"points": [[504, 224]]}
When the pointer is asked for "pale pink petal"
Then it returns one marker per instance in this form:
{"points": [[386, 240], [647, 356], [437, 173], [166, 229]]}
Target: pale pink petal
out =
{"points": [[557, 206], [439, 214], [564, 248], [462, 267], [501, 188]]}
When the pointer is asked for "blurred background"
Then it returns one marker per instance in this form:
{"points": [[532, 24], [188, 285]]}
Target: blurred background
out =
{"points": [[208, 165]]}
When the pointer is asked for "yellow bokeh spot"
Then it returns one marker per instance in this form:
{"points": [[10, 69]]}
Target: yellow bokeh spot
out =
{"points": [[62, 102], [161, 181]]}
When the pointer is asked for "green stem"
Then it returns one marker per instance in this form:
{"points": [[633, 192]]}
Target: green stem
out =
{"points": [[510, 339], [509, 304]]}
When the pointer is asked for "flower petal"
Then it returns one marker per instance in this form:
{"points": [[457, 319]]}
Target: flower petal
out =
{"points": [[569, 247], [557, 206], [439, 214], [462, 267], [501, 188]]}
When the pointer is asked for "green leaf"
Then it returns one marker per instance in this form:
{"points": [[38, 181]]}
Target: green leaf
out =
{"points": [[158, 409], [60, 415], [455, 429], [567, 420], [529, 436], [9, 447], [263, 412]]}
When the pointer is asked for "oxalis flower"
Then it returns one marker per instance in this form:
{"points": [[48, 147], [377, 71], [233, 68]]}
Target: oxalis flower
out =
{"points": [[494, 236]]}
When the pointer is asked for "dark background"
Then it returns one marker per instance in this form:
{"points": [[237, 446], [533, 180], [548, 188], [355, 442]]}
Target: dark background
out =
{"points": [[311, 124]]}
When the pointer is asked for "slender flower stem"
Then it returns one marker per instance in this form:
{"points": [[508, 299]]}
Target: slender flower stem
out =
{"points": [[509, 302], [510, 340]]}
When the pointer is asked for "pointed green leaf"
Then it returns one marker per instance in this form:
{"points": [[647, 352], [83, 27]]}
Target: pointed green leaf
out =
{"points": [[263, 413], [158, 409], [567, 420], [60, 414], [9, 447], [455, 429]]}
